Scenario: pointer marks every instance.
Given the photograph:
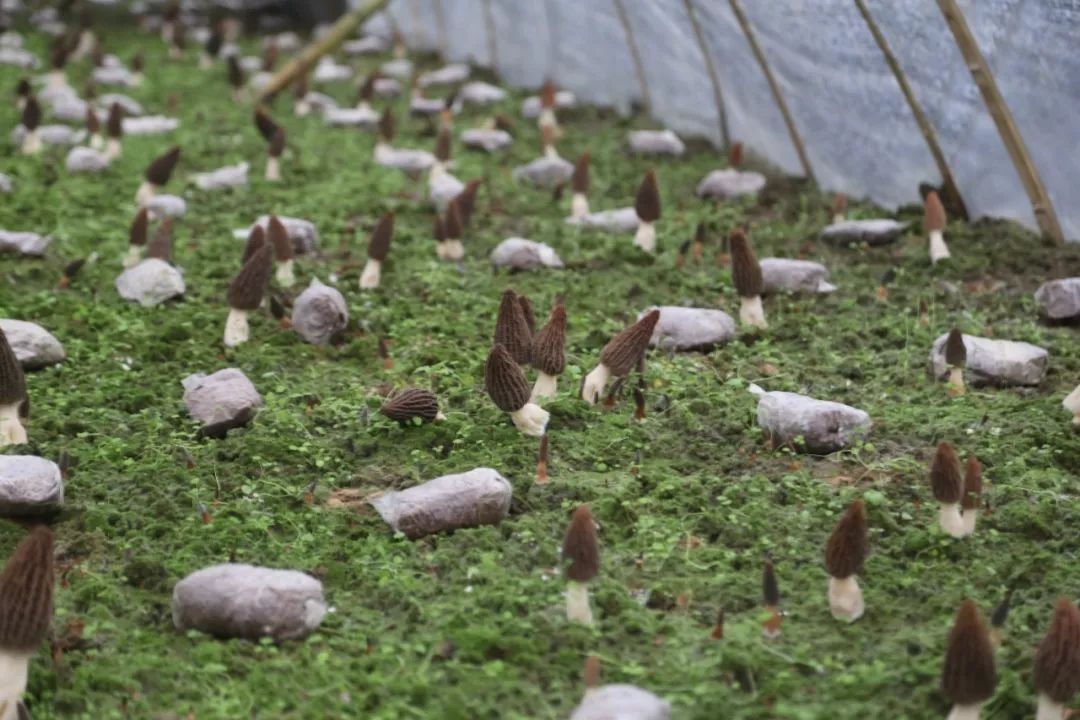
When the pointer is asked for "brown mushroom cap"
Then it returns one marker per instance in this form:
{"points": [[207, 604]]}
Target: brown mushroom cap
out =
{"points": [[367, 88], [933, 213], [624, 350], [279, 238], [114, 125], [31, 114], [270, 56], [159, 171], [527, 313], [945, 478], [12, 379], [138, 62], [387, 126], [410, 403], [504, 381], [59, 56], [512, 330], [839, 204], [442, 145], [647, 202], [745, 269], [955, 352], [161, 245], [467, 200], [1057, 661], [26, 593], [93, 125], [849, 543], [438, 229], [735, 155], [277, 143], [701, 233], [581, 546], [265, 124], [968, 676], [256, 239], [249, 285], [214, 43], [579, 181], [138, 231], [549, 345], [972, 484], [452, 223], [547, 94], [770, 588], [379, 244], [23, 89], [236, 73]]}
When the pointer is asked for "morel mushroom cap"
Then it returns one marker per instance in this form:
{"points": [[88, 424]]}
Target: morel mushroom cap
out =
{"points": [[410, 403], [93, 125], [31, 114], [379, 244], [12, 379], [1057, 661], [367, 88], [547, 94], [438, 229], [277, 143], [467, 200], [579, 181], [236, 73], [581, 546], [647, 202], [745, 269], [255, 240], [387, 126], [26, 593], [23, 89], [945, 478], [114, 125], [968, 676], [839, 204], [955, 352], [160, 246], [279, 238], [214, 43], [504, 381], [770, 588], [247, 288], [452, 224], [527, 313], [934, 213], [549, 345], [442, 145], [512, 330], [159, 171], [265, 124], [624, 350], [735, 155], [849, 543], [137, 233]]}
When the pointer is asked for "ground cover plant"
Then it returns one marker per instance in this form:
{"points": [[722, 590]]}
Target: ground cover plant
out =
{"points": [[691, 500]]}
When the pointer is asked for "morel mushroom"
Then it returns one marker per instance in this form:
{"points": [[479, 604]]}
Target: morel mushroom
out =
{"points": [[549, 354], [972, 494], [749, 284], [735, 155], [157, 175], [13, 397], [839, 207], [138, 65], [547, 120], [160, 247], [947, 484], [956, 359], [438, 231], [467, 201], [137, 235], [93, 128], [255, 240], [412, 403], [246, 294], [1072, 404], [527, 313], [26, 610], [770, 591], [273, 155], [211, 49], [31, 120], [505, 383], [619, 356], [58, 61], [23, 92], [845, 554], [579, 183], [582, 548], [934, 224], [452, 247], [114, 128], [236, 78], [378, 248], [1057, 662], [647, 207], [283, 251], [512, 330], [968, 677]]}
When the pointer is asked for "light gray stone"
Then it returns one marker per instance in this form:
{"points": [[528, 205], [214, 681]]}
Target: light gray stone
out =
{"points": [[824, 426], [521, 254], [400, 68], [19, 58], [1060, 299], [655, 142], [619, 220], [481, 93], [994, 362], [690, 328], [34, 346], [363, 117], [85, 160], [387, 87], [70, 108], [51, 135], [489, 139], [151, 282], [730, 183], [114, 76], [786, 275], [223, 400], [230, 176], [245, 601], [304, 236], [621, 702], [329, 71], [369, 45], [11, 38], [26, 243], [442, 188], [478, 497], [29, 486], [319, 313], [531, 106], [319, 101], [545, 172], [130, 106], [163, 206], [451, 74], [426, 106], [872, 232], [150, 125]]}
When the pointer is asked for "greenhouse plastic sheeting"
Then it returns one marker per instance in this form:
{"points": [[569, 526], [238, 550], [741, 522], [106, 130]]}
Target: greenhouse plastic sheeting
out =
{"points": [[859, 133]]}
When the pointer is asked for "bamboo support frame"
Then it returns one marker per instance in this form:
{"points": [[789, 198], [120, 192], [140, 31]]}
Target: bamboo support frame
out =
{"points": [[950, 191], [1045, 215], [710, 69], [639, 67], [489, 28], [789, 121]]}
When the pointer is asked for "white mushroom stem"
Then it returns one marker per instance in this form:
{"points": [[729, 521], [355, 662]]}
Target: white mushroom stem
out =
{"points": [[751, 312], [440, 250], [85, 46], [175, 53], [273, 169], [846, 599], [12, 431], [364, 105], [14, 668], [236, 328], [1049, 709], [133, 256], [1072, 404], [301, 108], [956, 379], [20, 103], [136, 79], [545, 386], [96, 141], [369, 279], [31, 144], [964, 712], [57, 79], [950, 519], [453, 250], [594, 384], [284, 273], [238, 95], [969, 518], [145, 193], [547, 119], [645, 237], [838, 218], [206, 61], [577, 603], [550, 152], [579, 205], [530, 419], [112, 148], [938, 249], [438, 170]]}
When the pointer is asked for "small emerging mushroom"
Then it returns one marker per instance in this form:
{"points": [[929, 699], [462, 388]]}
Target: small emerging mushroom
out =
{"points": [[157, 175], [749, 283], [114, 128], [452, 247], [972, 494], [579, 183], [968, 676], [647, 207], [770, 590], [839, 208], [998, 618], [845, 554], [956, 359], [93, 128], [236, 78], [58, 60], [26, 612], [582, 548], [31, 120], [412, 403], [23, 92], [1057, 662], [547, 119], [14, 401], [138, 65], [137, 235], [255, 240], [549, 354], [378, 248], [505, 383], [211, 49], [947, 484], [1072, 404], [620, 356], [467, 201], [160, 246], [512, 329], [283, 251], [246, 294], [934, 224]]}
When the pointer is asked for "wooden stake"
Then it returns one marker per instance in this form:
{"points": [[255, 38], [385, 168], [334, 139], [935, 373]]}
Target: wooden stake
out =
{"points": [[639, 67], [999, 111], [710, 68]]}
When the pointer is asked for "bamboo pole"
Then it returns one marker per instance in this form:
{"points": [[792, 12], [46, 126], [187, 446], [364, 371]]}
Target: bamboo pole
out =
{"points": [[949, 189], [489, 26], [346, 24], [440, 23], [1045, 215], [639, 67], [789, 121], [710, 68]]}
